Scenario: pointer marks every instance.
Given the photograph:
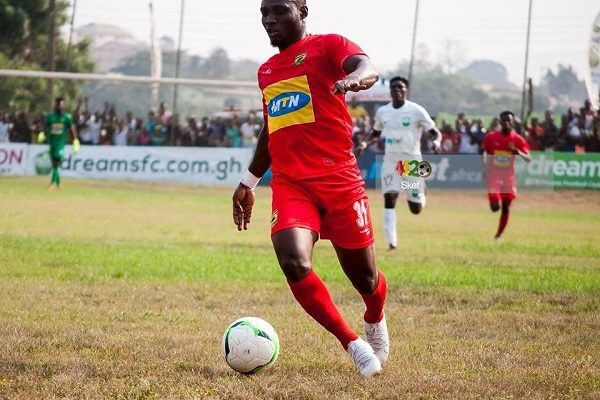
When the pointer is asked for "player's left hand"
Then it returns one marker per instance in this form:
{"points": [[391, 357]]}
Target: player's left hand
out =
{"points": [[437, 149], [349, 83], [75, 146]]}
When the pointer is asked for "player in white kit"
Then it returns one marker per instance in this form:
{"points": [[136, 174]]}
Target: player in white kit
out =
{"points": [[400, 124]]}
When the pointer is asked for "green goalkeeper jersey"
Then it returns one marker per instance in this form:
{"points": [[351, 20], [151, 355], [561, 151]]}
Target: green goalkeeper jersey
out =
{"points": [[57, 126]]}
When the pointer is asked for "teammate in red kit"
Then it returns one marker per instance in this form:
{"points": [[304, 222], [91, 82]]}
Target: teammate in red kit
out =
{"points": [[317, 187], [499, 150]]}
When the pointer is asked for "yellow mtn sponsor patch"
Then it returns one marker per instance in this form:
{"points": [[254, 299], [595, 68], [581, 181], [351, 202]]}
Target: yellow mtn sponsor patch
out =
{"points": [[289, 102], [502, 158]]}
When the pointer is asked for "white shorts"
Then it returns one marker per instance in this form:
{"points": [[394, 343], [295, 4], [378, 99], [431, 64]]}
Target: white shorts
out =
{"points": [[394, 182]]}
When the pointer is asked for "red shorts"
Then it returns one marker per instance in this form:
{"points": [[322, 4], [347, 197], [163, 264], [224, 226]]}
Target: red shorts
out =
{"points": [[336, 207], [501, 187]]}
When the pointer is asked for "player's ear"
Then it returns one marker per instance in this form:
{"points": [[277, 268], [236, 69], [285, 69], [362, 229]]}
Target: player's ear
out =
{"points": [[304, 11]]}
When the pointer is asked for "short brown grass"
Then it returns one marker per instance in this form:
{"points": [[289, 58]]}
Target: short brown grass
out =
{"points": [[79, 321]]}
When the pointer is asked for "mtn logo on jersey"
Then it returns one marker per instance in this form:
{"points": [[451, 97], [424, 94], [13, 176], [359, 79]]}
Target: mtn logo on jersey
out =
{"points": [[299, 60], [502, 158], [406, 121], [289, 102]]}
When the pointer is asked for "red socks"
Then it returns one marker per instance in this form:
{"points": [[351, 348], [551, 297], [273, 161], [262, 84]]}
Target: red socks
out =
{"points": [[314, 297], [375, 301], [502, 223]]}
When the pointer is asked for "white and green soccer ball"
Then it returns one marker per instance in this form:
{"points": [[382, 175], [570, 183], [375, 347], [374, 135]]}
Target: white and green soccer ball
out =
{"points": [[250, 345]]}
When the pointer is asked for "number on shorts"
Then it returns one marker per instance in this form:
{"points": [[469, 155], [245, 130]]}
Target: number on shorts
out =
{"points": [[361, 212]]}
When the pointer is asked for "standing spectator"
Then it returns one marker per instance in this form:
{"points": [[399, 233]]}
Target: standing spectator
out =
{"points": [[317, 188], [5, 128], [163, 115], [449, 139], [120, 137], [588, 114], [95, 126], [21, 131], [202, 133], [477, 134], [534, 135], [189, 133], [550, 138], [249, 130], [233, 137], [216, 133]]}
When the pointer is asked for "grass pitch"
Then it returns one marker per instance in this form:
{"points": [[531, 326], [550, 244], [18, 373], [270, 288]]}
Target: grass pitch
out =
{"points": [[122, 290]]}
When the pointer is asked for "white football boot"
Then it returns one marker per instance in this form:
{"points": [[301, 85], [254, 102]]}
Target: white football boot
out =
{"points": [[377, 336], [364, 358]]}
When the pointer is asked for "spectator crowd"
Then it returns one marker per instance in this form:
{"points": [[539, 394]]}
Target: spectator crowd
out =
{"points": [[160, 128], [578, 131]]}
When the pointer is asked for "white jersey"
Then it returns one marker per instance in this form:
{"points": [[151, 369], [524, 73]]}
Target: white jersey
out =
{"points": [[401, 128]]}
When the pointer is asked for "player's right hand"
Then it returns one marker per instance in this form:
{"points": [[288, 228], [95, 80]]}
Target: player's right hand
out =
{"points": [[360, 148], [243, 201]]}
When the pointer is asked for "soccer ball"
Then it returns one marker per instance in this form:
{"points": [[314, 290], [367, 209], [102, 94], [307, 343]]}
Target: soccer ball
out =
{"points": [[250, 345], [424, 169]]}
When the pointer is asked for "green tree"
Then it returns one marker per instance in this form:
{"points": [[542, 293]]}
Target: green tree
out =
{"points": [[24, 42]]}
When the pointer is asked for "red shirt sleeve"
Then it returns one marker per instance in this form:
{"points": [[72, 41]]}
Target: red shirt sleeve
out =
{"points": [[522, 144], [339, 49]]}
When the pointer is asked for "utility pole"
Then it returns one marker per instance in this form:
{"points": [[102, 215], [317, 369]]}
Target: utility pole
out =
{"points": [[51, 50], [414, 39], [69, 47], [524, 94], [178, 57]]}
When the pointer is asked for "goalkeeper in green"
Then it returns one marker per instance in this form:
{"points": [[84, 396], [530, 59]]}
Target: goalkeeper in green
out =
{"points": [[58, 125]]}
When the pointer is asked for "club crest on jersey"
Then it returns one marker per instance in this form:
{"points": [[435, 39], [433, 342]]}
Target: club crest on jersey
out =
{"points": [[406, 121], [299, 60]]}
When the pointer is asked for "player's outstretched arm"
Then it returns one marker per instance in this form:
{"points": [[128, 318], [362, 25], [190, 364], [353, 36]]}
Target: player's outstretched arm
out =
{"points": [[524, 154], [361, 75], [362, 146], [243, 196], [437, 140]]}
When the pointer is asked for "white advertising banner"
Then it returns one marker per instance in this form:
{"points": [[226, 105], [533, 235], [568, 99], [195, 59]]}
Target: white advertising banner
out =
{"points": [[13, 158], [196, 165]]}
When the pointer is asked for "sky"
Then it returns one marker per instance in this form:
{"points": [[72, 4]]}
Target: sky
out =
{"points": [[471, 29]]}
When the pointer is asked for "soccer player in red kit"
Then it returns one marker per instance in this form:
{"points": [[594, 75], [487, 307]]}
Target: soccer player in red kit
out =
{"points": [[499, 150], [317, 189]]}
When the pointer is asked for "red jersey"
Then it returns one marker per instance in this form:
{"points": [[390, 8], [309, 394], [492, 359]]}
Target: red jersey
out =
{"points": [[310, 130], [496, 145]]}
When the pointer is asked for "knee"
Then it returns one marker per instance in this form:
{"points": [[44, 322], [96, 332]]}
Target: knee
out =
{"points": [[369, 284], [294, 267], [389, 200], [415, 208], [494, 206]]}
